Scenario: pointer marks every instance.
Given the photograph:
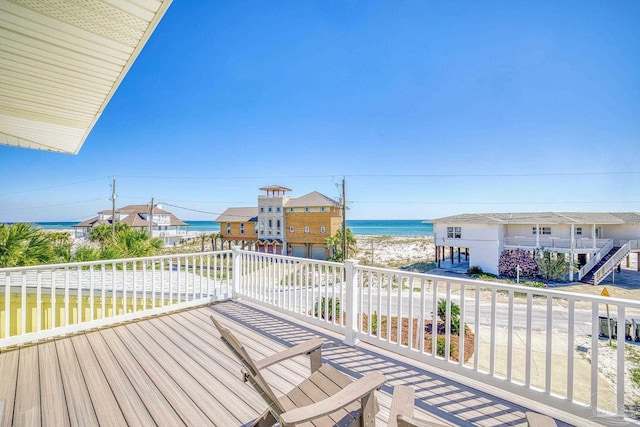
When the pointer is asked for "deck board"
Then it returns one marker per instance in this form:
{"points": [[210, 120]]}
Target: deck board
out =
{"points": [[154, 400], [53, 403], [104, 402], [81, 412], [175, 370], [9, 375], [133, 409], [180, 401], [27, 406]]}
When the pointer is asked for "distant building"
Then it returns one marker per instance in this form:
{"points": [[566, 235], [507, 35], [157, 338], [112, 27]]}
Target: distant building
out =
{"points": [[239, 226], [164, 224], [283, 224], [586, 238]]}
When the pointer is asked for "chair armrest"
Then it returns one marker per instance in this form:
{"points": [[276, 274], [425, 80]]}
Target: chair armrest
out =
{"points": [[401, 404], [538, 420], [351, 393], [404, 421], [303, 348]]}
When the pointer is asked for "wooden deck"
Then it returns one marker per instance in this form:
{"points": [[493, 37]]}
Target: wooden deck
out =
{"points": [[174, 370]]}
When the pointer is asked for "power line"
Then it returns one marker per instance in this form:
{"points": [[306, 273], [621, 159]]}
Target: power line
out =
{"points": [[430, 175], [53, 186], [51, 206]]}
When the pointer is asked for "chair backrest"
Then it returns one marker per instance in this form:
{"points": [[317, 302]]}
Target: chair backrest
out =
{"points": [[257, 380]]}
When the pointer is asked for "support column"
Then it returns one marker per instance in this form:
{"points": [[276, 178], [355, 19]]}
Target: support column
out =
{"points": [[638, 261], [351, 306], [451, 254], [466, 254], [537, 236], [459, 260], [593, 235]]}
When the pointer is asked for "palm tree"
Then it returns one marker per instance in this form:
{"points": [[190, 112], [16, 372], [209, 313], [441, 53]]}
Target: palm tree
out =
{"points": [[22, 244], [334, 243]]}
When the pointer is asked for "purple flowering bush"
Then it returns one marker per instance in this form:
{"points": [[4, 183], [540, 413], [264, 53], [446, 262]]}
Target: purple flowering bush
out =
{"points": [[510, 259]]}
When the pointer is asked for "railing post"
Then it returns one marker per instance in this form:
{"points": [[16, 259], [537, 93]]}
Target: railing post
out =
{"points": [[235, 270], [351, 306]]}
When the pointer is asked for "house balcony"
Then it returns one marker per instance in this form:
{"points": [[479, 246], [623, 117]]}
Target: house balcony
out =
{"points": [[556, 244], [140, 326]]}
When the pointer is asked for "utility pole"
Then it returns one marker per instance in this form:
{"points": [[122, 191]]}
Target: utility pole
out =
{"points": [[150, 221], [345, 255], [113, 208]]}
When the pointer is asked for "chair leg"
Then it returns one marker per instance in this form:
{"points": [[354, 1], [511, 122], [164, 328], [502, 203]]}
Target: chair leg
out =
{"points": [[266, 419], [369, 410]]}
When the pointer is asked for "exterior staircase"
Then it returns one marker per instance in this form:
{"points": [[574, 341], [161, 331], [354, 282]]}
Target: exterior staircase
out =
{"points": [[589, 277]]}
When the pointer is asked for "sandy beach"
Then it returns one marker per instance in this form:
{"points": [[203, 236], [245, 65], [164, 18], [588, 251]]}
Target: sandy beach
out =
{"points": [[394, 251]]}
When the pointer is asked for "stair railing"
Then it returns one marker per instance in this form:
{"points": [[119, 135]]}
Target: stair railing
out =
{"points": [[595, 259], [612, 262]]}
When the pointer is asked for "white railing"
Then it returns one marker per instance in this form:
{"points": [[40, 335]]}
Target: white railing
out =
{"points": [[538, 343], [554, 243], [595, 259], [43, 301], [612, 262], [303, 287], [541, 344]]}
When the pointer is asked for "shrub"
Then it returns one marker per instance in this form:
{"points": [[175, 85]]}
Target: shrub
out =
{"points": [[474, 269], [511, 259], [441, 346], [322, 305], [374, 323], [455, 315]]}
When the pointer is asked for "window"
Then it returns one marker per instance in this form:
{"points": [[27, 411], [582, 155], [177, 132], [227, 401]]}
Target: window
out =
{"points": [[543, 230], [228, 228], [242, 228], [578, 231], [306, 209], [278, 209], [454, 232], [323, 229], [270, 223], [278, 224], [291, 229], [270, 208], [261, 209], [322, 209], [306, 229], [290, 209]]}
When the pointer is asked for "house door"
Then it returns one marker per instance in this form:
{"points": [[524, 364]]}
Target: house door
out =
{"points": [[598, 232]]}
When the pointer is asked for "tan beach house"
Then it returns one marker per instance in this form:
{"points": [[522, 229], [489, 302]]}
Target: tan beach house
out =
{"points": [[163, 224], [283, 225], [595, 242]]}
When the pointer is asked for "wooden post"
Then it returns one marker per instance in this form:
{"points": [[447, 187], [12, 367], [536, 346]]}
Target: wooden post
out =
{"points": [[459, 255], [451, 254]]}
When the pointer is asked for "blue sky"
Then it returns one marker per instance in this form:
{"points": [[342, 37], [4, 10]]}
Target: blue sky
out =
{"points": [[427, 108]]}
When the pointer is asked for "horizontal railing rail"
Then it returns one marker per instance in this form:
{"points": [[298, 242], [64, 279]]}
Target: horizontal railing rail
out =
{"points": [[38, 302], [595, 259]]}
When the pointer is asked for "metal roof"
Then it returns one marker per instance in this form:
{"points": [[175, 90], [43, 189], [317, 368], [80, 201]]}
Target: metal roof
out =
{"points": [[61, 62], [543, 218]]}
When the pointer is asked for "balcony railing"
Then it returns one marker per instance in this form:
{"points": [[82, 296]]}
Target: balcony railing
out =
{"points": [[541, 344], [554, 242], [43, 301]]}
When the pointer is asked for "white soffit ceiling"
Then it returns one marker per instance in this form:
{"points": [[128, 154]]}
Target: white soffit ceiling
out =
{"points": [[61, 62]]}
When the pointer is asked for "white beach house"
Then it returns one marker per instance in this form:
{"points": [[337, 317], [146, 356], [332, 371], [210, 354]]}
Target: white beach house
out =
{"points": [[163, 224], [597, 242]]}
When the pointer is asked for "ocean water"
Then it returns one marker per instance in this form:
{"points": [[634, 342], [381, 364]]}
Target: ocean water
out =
{"points": [[374, 227]]}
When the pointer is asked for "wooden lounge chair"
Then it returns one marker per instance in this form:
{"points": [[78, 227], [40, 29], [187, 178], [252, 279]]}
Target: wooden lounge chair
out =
{"points": [[401, 412], [538, 420], [326, 398]]}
